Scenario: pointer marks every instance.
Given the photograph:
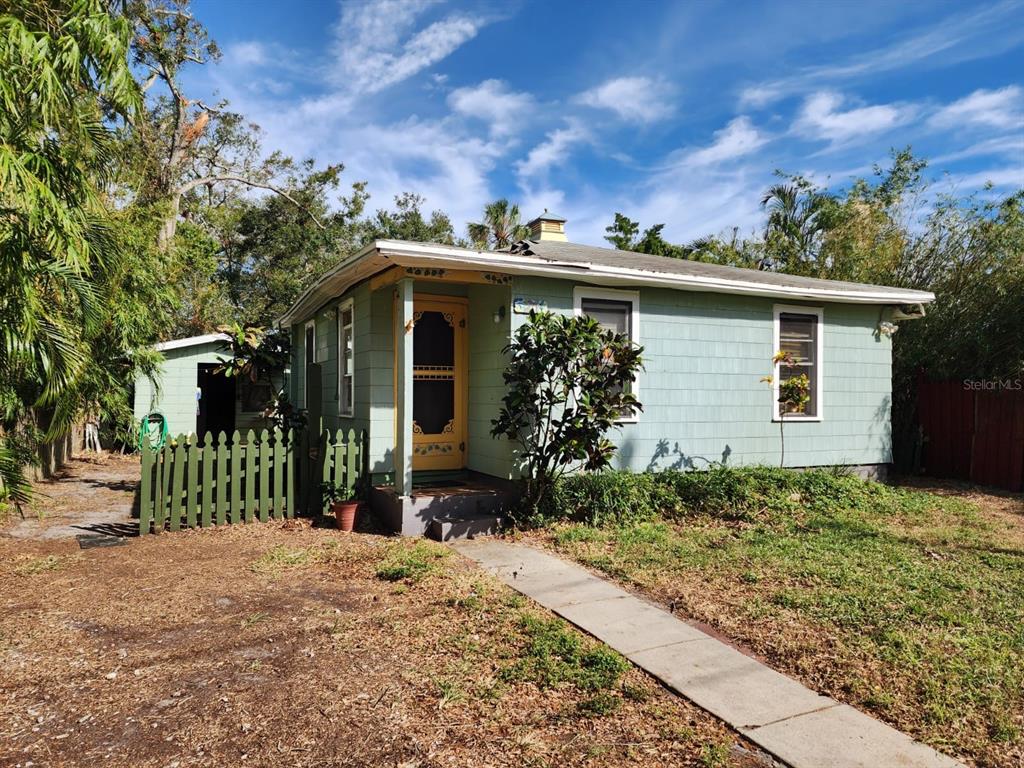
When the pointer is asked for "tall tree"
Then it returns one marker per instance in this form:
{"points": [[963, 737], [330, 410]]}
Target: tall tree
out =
{"points": [[792, 231], [66, 77], [407, 222], [499, 228], [186, 148]]}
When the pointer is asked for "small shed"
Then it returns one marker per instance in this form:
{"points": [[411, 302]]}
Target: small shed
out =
{"points": [[193, 396]]}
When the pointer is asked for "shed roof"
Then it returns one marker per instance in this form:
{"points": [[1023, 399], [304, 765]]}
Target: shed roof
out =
{"points": [[191, 341]]}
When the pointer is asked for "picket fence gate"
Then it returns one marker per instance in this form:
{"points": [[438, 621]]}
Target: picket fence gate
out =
{"points": [[222, 480]]}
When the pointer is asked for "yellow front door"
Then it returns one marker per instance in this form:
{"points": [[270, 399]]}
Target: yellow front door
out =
{"points": [[439, 382]]}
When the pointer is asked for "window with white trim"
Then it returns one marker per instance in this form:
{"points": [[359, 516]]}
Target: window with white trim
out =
{"points": [[617, 311], [308, 359], [798, 332], [346, 380]]}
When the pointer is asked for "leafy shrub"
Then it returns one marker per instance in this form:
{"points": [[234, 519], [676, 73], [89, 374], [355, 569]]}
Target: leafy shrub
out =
{"points": [[567, 384], [607, 498], [738, 493]]}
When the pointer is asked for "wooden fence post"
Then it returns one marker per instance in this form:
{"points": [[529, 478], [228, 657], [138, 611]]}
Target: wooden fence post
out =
{"points": [[146, 487], [264, 476], [251, 450], [177, 483], [236, 478], [278, 474], [289, 474], [192, 497]]}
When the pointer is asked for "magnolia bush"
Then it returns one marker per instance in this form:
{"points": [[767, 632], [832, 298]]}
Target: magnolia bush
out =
{"points": [[568, 382]]}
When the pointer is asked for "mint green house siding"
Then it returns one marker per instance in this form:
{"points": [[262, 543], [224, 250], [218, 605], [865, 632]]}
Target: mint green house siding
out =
{"points": [[177, 379], [705, 354], [374, 353], [487, 339]]}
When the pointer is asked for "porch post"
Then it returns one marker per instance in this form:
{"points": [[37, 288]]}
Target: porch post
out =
{"points": [[403, 387]]}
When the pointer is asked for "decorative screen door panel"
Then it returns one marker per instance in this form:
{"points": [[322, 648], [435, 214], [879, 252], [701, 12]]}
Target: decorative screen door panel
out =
{"points": [[439, 383]]}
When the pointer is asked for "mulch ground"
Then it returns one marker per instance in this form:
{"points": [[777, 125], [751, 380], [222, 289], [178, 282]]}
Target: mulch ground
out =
{"points": [[277, 645]]}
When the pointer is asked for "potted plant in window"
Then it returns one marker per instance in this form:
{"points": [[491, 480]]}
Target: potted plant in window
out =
{"points": [[344, 504]]}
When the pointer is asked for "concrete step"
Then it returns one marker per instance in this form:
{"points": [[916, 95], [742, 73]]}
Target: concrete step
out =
{"points": [[452, 527]]}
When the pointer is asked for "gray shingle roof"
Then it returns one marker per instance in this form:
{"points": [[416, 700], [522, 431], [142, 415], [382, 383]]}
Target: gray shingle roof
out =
{"points": [[573, 253]]}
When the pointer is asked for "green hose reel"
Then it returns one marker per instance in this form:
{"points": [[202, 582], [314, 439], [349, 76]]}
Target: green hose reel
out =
{"points": [[153, 426]]}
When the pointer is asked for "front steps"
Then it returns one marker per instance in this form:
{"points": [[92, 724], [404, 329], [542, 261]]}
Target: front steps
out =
{"points": [[462, 509], [451, 528]]}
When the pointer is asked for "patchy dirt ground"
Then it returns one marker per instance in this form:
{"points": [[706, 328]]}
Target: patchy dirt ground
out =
{"points": [[280, 644], [91, 495]]}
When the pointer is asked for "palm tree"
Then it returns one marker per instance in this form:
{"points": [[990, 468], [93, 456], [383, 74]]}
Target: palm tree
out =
{"points": [[792, 225], [55, 150], [501, 226]]}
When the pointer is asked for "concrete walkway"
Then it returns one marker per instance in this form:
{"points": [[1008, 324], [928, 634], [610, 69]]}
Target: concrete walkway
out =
{"points": [[793, 723]]}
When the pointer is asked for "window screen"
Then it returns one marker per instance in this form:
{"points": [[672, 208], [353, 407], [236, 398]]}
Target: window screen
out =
{"points": [[611, 314], [798, 335]]}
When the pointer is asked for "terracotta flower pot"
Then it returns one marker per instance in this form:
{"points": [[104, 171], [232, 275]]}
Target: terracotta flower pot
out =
{"points": [[345, 514]]}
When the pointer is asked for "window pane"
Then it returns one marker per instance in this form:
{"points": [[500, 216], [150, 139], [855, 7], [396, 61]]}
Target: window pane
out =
{"points": [[433, 341], [433, 405], [612, 315], [346, 394], [798, 335]]}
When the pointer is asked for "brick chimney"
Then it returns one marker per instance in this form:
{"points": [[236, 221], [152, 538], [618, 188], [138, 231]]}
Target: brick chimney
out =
{"points": [[547, 226]]}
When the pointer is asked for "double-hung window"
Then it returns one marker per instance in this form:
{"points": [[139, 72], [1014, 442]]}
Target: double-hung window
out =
{"points": [[617, 311], [346, 381], [798, 332]]}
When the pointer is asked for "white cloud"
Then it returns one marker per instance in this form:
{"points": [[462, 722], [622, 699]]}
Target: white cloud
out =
{"points": [[822, 117], [377, 43], [1011, 146], [976, 33], [250, 53], [737, 139], [636, 99], [492, 102], [554, 150], [994, 109], [997, 177]]}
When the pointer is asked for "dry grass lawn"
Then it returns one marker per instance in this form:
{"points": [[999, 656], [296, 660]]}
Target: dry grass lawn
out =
{"points": [[285, 645]]}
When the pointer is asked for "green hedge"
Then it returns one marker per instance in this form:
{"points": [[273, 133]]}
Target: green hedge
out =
{"points": [[617, 497]]}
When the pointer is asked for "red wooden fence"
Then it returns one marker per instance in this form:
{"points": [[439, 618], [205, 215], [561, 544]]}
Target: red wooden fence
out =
{"points": [[974, 431]]}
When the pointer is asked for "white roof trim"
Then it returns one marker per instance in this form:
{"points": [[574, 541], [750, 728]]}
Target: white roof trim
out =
{"points": [[191, 341], [428, 254]]}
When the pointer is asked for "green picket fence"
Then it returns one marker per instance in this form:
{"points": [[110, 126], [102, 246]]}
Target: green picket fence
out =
{"points": [[220, 480], [332, 457]]}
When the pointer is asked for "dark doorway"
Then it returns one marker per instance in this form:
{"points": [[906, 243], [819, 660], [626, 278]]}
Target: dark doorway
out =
{"points": [[216, 401]]}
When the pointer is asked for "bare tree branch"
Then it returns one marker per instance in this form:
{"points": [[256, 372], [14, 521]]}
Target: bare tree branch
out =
{"points": [[193, 183]]}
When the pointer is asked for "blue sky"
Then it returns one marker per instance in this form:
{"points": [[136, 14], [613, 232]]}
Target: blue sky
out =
{"points": [[668, 112]]}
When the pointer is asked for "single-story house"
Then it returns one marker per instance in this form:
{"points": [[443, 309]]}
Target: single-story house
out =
{"points": [[407, 338], [194, 396]]}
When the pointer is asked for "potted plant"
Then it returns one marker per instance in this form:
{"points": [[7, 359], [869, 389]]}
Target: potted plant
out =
{"points": [[344, 504]]}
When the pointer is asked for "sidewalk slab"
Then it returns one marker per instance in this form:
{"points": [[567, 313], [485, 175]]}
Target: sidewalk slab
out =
{"points": [[843, 737], [630, 625], [740, 690], [792, 722]]}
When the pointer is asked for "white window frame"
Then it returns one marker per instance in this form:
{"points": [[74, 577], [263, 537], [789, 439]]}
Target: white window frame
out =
{"points": [[581, 292], [794, 309], [305, 363], [346, 306]]}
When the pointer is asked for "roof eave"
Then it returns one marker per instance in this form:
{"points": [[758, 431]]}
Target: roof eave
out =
{"points": [[409, 254]]}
